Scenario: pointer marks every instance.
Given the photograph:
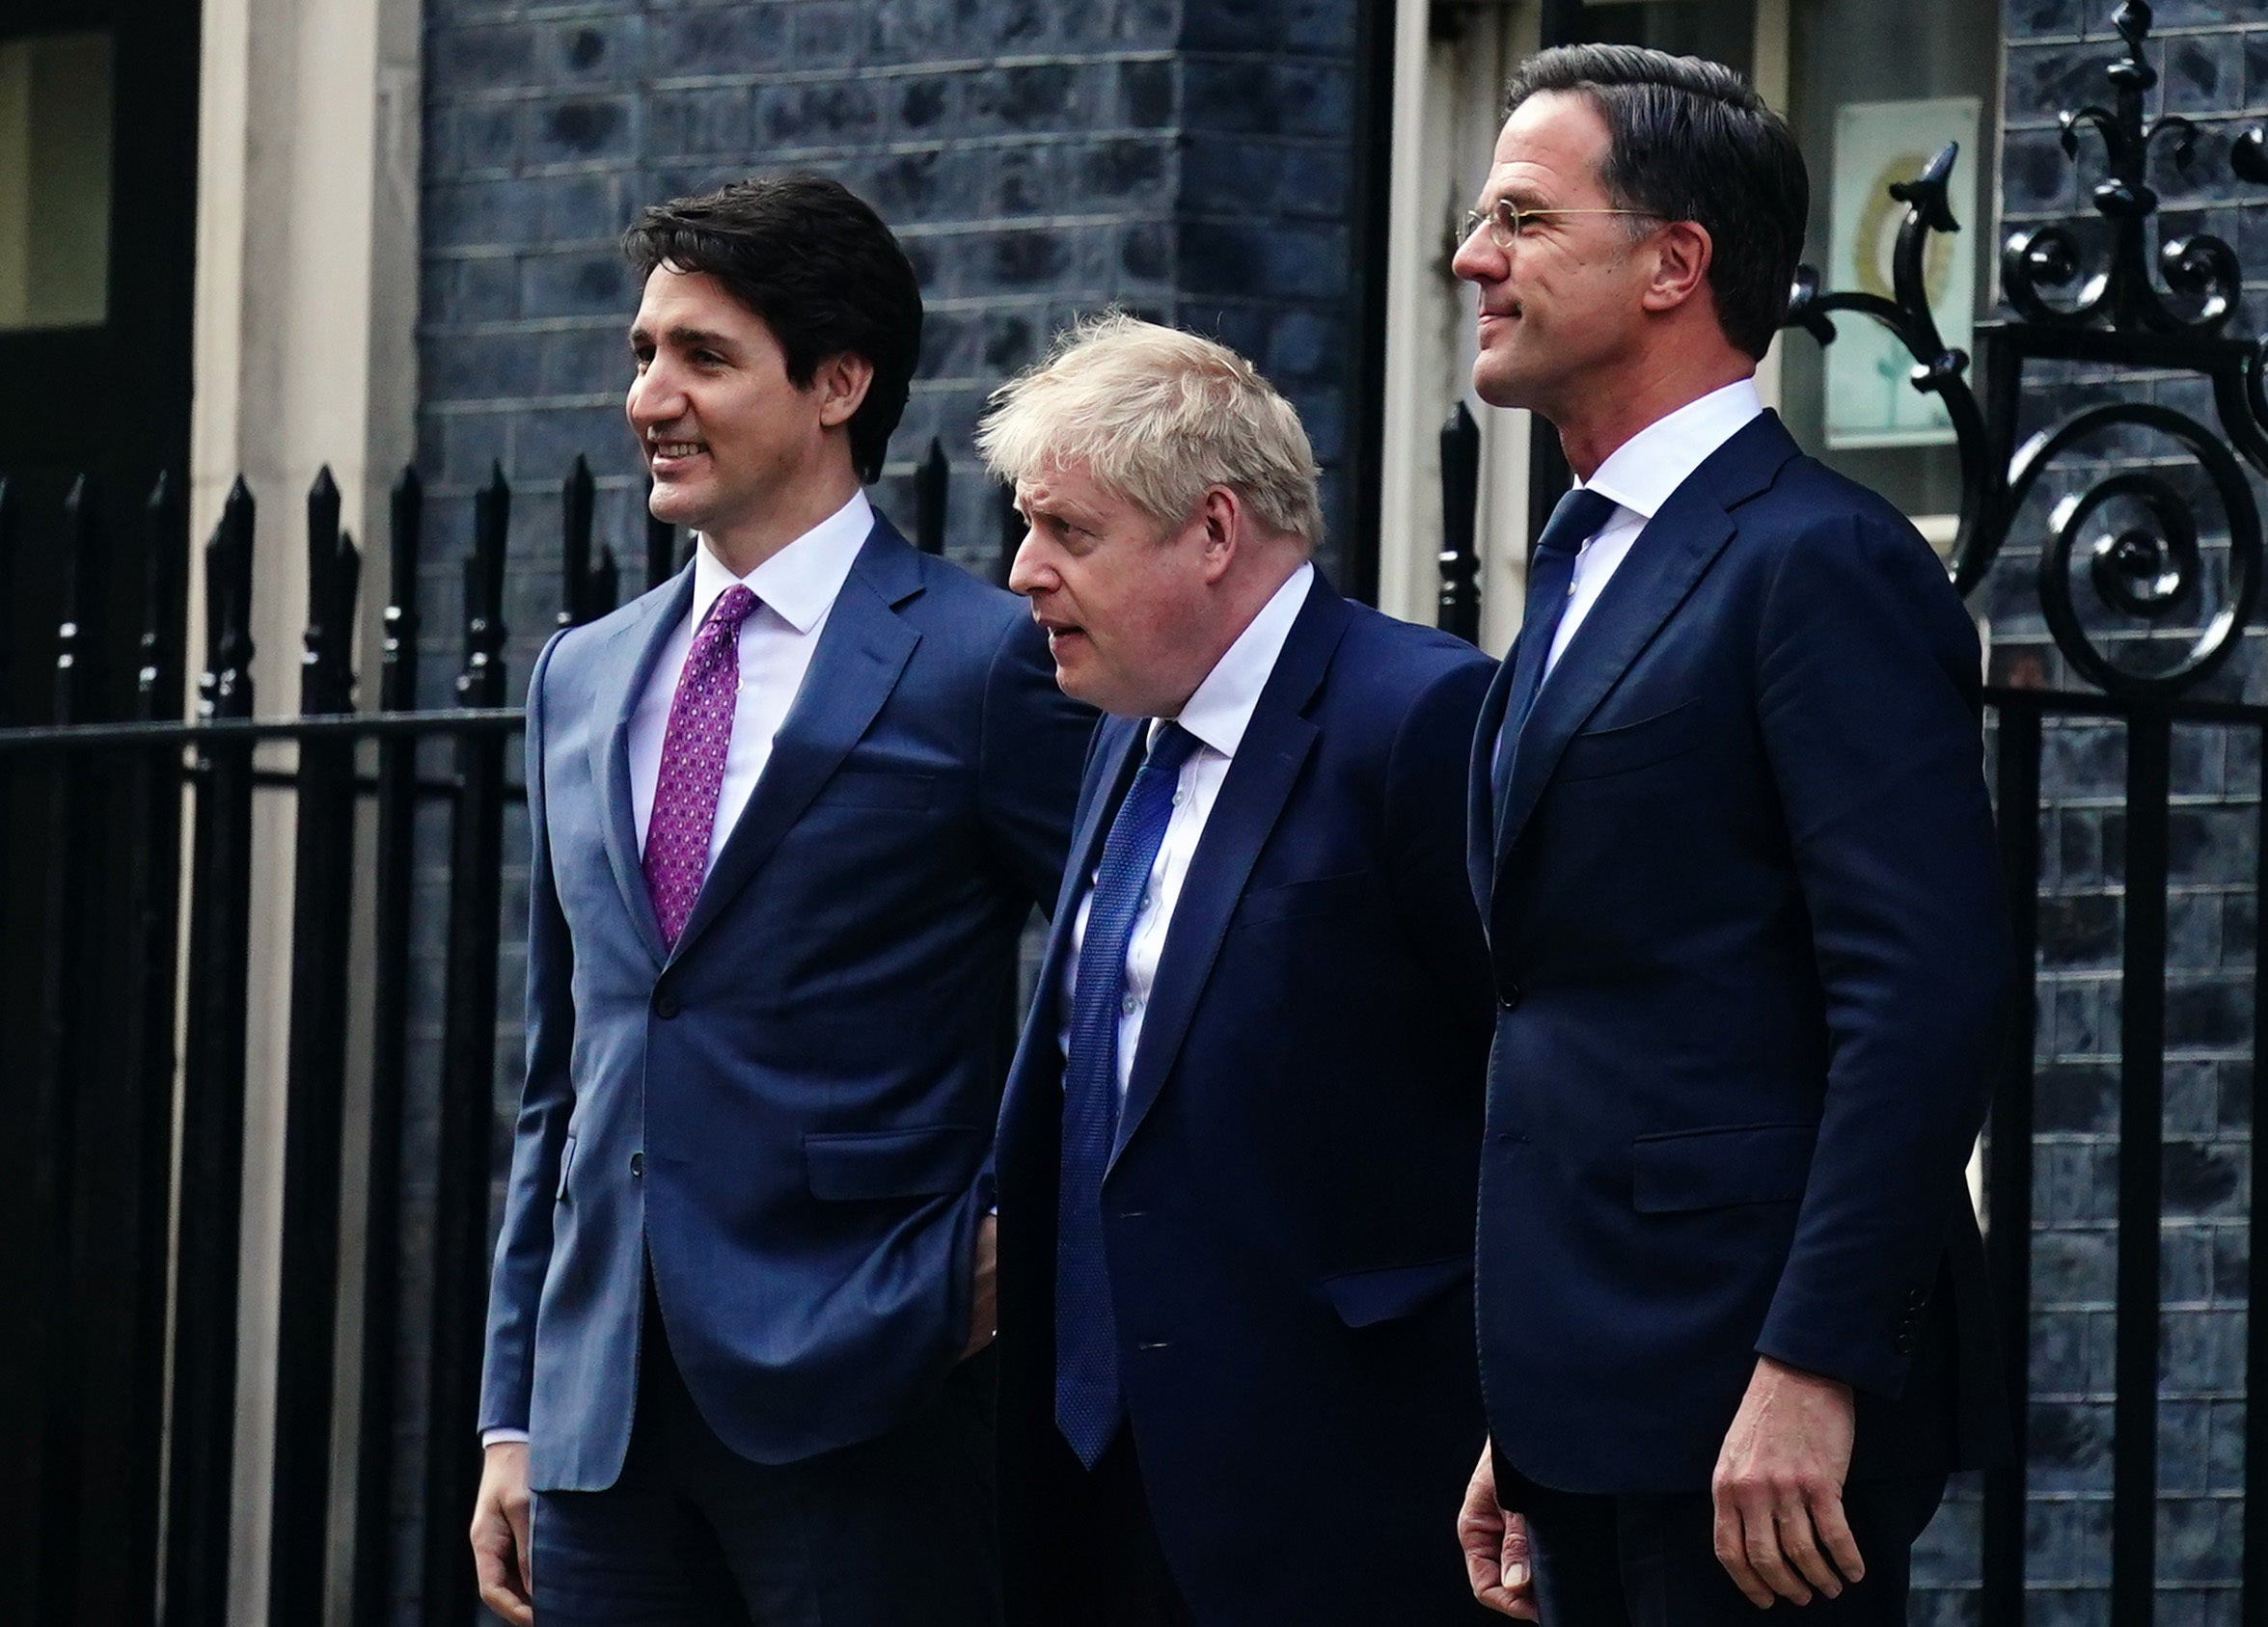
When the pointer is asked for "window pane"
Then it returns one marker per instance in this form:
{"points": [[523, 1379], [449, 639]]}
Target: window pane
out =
{"points": [[55, 107], [1875, 89]]}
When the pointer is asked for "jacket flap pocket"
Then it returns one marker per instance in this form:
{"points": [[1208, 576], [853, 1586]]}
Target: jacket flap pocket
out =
{"points": [[1595, 753], [1324, 895], [877, 788], [1381, 1294], [1714, 1168], [914, 1163], [566, 1163]]}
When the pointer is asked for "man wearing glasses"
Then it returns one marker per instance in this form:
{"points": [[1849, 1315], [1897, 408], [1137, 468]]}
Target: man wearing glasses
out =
{"points": [[1731, 842]]}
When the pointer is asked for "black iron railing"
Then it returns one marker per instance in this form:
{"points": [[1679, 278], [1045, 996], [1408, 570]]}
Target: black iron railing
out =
{"points": [[80, 778]]}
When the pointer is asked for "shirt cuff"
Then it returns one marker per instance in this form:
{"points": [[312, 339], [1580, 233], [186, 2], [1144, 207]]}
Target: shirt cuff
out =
{"points": [[503, 1437]]}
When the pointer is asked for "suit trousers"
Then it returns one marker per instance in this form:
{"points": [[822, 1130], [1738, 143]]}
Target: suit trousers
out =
{"points": [[894, 1531], [1651, 1561]]}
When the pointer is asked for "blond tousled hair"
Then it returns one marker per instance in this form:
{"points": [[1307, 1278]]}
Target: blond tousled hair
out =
{"points": [[1157, 417]]}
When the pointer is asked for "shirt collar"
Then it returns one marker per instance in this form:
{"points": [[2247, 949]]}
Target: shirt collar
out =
{"points": [[1643, 471], [801, 581], [1221, 709]]}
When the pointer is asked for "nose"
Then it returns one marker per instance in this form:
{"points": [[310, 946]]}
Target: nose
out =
{"points": [[654, 397], [1027, 572], [1478, 259]]}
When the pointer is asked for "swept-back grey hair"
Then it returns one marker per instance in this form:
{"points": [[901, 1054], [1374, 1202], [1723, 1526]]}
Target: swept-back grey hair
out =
{"points": [[1157, 417]]}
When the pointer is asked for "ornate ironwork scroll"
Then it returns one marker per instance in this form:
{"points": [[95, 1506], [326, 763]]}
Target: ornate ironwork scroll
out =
{"points": [[2133, 535]]}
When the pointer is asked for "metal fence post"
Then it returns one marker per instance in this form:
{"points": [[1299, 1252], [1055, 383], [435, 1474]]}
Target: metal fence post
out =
{"points": [[1459, 608], [468, 1083], [396, 860], [322, 893], [204, 1418], [56, 1308], [933, 479]]}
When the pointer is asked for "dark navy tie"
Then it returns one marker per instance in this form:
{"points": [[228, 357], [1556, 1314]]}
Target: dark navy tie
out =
{"points": [[1087, 1403], [1551, 576]]}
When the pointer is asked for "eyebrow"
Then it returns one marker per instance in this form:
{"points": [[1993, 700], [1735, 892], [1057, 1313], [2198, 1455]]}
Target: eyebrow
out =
{"points": [[688, 339]]}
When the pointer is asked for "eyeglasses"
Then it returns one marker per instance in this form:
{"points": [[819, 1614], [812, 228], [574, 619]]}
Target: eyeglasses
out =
{"points": [[1507, 220]]}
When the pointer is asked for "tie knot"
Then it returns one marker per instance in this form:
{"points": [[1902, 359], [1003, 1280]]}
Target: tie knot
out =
{"points": [[733, 607], [1576, 520], [1173, 746]]}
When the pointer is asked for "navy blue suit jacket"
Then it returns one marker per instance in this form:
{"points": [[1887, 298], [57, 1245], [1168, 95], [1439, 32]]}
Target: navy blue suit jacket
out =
{"points": [[1289, 1211], [788, 1114], [1751, 955]]}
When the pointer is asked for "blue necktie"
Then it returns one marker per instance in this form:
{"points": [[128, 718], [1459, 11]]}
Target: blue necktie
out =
{"points": [[1087, 1401], [1551, 574]]}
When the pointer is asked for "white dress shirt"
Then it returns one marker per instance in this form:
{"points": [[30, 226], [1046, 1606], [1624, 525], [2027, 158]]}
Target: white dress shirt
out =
{"points": [[1217, 715], [795, 590], [1640, 475]]}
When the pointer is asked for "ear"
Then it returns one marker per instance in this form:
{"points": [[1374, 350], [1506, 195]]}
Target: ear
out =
{"points": [[1220, 515], [841, 383], [1682, 256]]}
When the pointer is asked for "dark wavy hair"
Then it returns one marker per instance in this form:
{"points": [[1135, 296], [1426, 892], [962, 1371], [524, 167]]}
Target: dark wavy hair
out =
{"points": [[1690, 140], [811, 257]]}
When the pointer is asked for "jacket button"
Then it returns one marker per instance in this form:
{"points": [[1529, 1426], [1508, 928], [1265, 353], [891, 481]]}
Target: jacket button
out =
{"points": [[638, 1166], [1508, 996], [1916, 1298], [666, 1004], [1904, 1344]]}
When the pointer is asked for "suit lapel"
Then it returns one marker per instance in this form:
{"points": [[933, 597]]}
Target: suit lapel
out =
{"points": [[1676, 547], [1480, 790], [863, 650], [635, 651], [1259, 781]]}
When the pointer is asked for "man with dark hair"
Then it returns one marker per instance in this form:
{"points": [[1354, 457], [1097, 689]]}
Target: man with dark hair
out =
{"points": [[1731, 846], [789, 813]]}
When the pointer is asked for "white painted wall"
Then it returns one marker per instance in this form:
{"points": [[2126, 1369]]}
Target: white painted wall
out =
{"points": [[304, 354]]}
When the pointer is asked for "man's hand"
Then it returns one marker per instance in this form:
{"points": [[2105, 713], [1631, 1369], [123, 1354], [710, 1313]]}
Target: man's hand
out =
{"points": [[984, 1288], [1495, 1547], [500, 1534], [1778, 1488]]}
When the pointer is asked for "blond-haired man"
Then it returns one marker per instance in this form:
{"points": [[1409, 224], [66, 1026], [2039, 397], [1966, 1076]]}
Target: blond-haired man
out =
{"points": [[1237, 1151]]}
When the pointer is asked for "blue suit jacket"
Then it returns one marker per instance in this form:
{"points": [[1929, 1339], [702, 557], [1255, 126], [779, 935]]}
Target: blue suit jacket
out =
{"points": [[1289, 1211], [789, 1114], [1751, 958]]}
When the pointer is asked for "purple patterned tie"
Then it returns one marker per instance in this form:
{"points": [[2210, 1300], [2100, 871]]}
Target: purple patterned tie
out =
{"points": [[692, 763]]}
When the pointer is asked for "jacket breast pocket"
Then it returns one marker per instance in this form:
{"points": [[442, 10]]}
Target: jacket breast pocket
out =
{"points": [[1708, 1169], [1597, 754], [930, 1162], [877, 788], [1324, 895]]}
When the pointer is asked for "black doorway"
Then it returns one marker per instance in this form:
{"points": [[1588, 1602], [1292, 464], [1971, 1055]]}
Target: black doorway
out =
{"points": [[96, 300]]}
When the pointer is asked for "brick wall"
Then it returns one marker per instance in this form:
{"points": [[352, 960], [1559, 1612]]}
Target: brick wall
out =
{"points": [[1189, 159], [2213, 56]]}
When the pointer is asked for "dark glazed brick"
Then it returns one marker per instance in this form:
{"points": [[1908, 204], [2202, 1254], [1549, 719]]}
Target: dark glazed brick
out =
{"points": [[2207, 1015], [1128, 171], [575, 285], [1022, 258], [2202, 1177], [2079, 931], [697, 122], [1145, 94], [1145, 252], [740, 38], [816, 114], [583, 129], [1043, 97]]}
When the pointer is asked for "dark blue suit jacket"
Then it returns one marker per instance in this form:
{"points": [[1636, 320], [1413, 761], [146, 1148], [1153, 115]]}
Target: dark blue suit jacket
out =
{"points": [[789, 1114], [1751, 957], [1289, 1213]]}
